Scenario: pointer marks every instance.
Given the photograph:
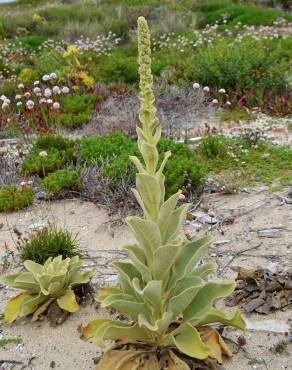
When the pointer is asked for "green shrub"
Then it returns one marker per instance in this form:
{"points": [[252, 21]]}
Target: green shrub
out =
{"points": [[98, 149], [2, 30], [78, 109], [213, 146], [186, 174], [250, 66], [8, 88], [34, 164], [45, 142], [30, 43], [49, 61], [13, 199], [27, 75], [112, 152], [49, 242], [182, 170], [60, 180], [117, 68], [213, 5], [247, 15]]}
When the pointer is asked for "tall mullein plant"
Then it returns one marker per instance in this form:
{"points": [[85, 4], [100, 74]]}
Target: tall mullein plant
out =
{"points": [[163, 291]]}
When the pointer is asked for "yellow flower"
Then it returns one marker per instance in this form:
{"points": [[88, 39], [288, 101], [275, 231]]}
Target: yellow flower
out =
{"points": [[87, 80], [75, 88], [21, 31], [37, 18], [71, 50]]}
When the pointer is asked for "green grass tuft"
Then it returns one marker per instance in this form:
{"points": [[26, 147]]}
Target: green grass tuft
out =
{"points": [[49, 242]]}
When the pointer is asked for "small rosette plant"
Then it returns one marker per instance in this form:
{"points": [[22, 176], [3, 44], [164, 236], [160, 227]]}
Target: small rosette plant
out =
{"points": [[44, 284], [164, 293]]}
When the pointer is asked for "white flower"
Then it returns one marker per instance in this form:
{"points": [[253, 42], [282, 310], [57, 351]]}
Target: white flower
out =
{"points": [[43, 154], [222, 91], [5, 106], [196, 85], [46, 78], [56, 90], [65, 90], [56, 106], [23, 183], [47, 93], [21, 86], [30, 104], [53, 75], [7, 101], [206, 89], [29, 182], [214, 101], [19, 103], [228, 103], [42, 100], [36, 90], [27, 94], [49, 101], [3, 97], [17, 97], [36, 83]]}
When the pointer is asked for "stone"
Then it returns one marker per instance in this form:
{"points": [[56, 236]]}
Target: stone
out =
{"points": [[269, 325], [269, 233], [204, 218]]}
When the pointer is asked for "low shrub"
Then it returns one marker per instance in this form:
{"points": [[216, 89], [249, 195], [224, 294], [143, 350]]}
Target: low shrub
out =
{"points": [[253, 72], [214, 5], [58, 181], [213, 146], [13, 199], [247, 15], [118, 68], [30, 43], [27, 75], [111, 152], [78, 109], [35, 164], [49, 61], [49, 242], [45, 142]]}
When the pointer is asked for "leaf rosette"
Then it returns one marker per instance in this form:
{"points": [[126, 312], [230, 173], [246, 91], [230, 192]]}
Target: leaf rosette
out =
{"points": [[44, 284]]}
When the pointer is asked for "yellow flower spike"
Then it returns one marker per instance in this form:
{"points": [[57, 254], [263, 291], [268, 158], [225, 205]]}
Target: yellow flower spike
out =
{"points": [[71, 50], [36, 18], [87, 80]]}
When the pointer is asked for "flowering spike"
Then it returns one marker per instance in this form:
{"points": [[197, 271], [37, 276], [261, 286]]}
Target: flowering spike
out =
{"points": [[150, 132]]}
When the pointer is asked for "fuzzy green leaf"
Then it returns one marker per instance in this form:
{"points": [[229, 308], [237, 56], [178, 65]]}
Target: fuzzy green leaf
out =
{"points": [[205, 298], [187, 339]]}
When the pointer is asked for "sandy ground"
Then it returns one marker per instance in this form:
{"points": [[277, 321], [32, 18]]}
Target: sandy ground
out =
{"points": [[45, 347]]}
